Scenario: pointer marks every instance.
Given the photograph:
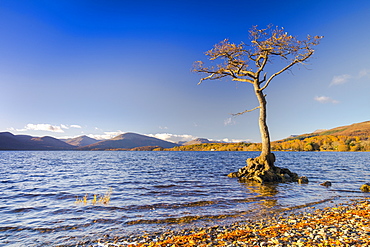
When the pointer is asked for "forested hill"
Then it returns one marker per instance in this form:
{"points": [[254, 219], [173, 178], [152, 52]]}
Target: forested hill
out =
{"points": [[358, 129], [354, 137]]}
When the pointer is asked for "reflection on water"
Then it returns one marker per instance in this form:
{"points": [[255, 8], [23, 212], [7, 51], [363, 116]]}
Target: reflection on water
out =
{"points": [[267, 191], [153, 191], [262, 189]]}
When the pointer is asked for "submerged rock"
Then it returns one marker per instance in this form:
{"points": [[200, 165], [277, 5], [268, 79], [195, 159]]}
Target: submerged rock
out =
{"points": [[365, 187], [303, 180], [326, 183]]}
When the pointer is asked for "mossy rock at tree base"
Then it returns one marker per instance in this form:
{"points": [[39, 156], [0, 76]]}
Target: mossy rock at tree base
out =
{"points": [[365, 187], [262, 170]]}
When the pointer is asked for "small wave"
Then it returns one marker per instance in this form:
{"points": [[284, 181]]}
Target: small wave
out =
{"points": [[239, 214], [9, 228], [179, 205], [164, 186], [67, 211], [31, 195], [22, 210], [195, 204], [177, 193], [189, 219], [350, 191], [7, 182], [57, 228]]}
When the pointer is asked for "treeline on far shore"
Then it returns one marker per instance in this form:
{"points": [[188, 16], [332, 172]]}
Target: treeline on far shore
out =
{"points": [[315, 143]]}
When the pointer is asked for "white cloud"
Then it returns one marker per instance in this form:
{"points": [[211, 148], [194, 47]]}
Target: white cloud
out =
{"points": [[325, 99], [185, 138], [97, 137], [48, 127], [173, 137], [364, 73], [43, 127], [106, 135], [229, 121], [235, 140], [340, 79]]}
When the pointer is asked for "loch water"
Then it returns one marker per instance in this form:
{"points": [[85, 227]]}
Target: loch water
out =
{"points": [[154, 191]]}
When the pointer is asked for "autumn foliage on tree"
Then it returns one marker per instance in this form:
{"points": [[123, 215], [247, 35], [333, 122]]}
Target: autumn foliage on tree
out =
{"points": [[248, 63]]}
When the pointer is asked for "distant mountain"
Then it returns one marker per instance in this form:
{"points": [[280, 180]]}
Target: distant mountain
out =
{"points": [[133, 141], [81, 141], [129, 141], [197, 141], [8, 141]]}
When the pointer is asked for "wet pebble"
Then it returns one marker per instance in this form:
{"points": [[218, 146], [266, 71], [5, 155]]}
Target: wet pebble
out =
{"points": [[344, 225]]}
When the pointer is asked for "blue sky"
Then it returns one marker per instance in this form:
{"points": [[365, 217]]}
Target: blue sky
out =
{"points": [[101, 68]]}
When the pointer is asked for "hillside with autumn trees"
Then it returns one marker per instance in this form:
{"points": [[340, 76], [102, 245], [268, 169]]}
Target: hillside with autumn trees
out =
{"points": [[355, 137]]}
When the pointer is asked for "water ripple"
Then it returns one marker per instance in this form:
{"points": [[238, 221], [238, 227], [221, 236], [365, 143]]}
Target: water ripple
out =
{"points": [[152, 190]]}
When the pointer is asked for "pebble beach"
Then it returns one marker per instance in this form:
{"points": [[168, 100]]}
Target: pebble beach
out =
{"points": [[347, 224]]}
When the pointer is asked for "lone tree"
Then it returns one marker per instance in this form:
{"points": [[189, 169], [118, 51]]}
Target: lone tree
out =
{"points": [[248, 63]]}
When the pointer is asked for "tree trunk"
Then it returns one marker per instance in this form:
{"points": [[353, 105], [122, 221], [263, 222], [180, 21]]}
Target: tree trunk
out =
{"points": [[262, 169], [262, 121]]}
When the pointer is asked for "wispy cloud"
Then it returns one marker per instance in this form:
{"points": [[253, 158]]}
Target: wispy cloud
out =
{"points": [[364, 73], [325, 99], [173, 137], [235, 140], [47, 127], [43, 127], [185, 138], [340, 79], [106, 135], [229, 121]]}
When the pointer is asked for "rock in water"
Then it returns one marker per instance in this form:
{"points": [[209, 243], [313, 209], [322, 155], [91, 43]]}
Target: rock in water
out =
{"points": [[262, 169], [365, 187], [303, 180], [326, 183]]}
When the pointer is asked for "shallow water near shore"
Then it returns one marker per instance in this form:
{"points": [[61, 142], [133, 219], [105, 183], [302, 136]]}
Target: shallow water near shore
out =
{"points": [[153, 191]]}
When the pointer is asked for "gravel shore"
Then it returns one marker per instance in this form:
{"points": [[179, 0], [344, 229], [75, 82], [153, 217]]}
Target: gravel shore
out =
{"points": [[344, 225]]}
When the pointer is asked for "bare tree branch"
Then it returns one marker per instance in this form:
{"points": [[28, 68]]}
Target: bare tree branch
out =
{"points": [[285, 68], [241, 113], [242, 80], [213, 76]]}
